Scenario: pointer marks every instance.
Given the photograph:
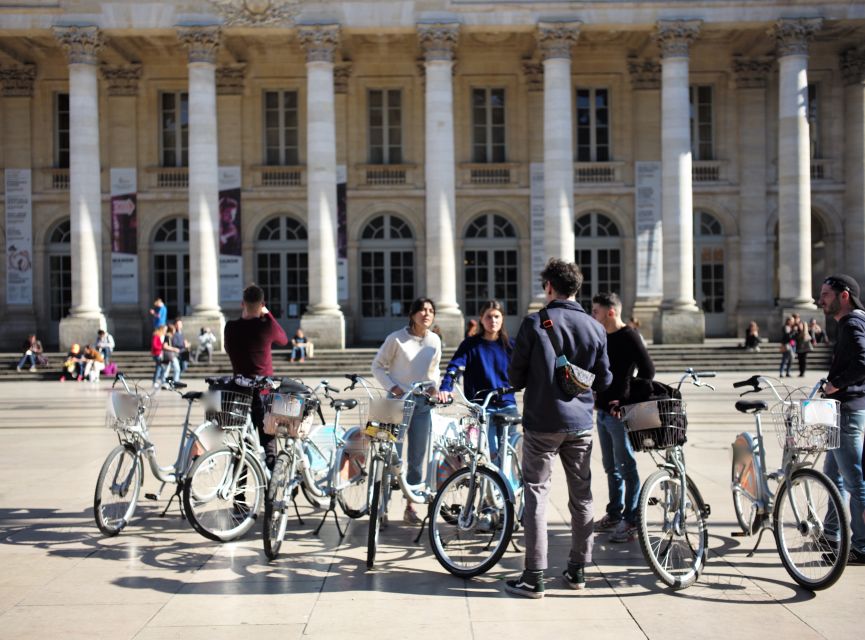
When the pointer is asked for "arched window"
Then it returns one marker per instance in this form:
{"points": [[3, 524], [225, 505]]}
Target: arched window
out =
{"points": [[282, 268], [598, 252], [59, 271], [171, 265], [387, 266], [491, 264]]}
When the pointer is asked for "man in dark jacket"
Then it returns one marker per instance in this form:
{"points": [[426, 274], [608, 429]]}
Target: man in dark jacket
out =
{"points": [[557, 424], [839, 298]]}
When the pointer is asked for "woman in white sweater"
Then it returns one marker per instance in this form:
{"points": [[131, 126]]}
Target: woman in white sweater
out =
{"points": [[409, 355]]}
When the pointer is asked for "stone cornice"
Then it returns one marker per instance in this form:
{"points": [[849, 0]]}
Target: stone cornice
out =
{"points": [[645, 74], [793, 34], [853, 67], [18, 81], [319, 41], [341, 75], [123, 80], [438, 41], [555, 39], [229, 80], [534, 75], [674, 37], [751, 73], [256, 13], [202, 42], [82, 44]]}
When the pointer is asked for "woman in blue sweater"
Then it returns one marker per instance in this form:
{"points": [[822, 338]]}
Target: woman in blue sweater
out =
{"points": [[485, 357]]}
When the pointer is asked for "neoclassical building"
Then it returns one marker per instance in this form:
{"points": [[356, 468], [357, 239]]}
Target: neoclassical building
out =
{"points": [[702, 159]]}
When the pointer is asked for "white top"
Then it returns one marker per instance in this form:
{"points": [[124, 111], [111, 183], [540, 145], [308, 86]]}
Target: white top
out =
{"points": [[404, 358]]}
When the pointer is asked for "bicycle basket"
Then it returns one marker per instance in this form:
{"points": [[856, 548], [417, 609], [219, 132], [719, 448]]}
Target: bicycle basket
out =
{"points": [[387, 418], [808, 426], [227, 405], [656, 424], [289, 415], [123, 410]]}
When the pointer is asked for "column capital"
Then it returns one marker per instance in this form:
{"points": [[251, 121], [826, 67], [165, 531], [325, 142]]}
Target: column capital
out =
{"points": [[229, 79], [853, 67], [555, 39], [320, 41], [645, 74], [341, 74], [202, 42], [793, 34], [751, 73], [438, 40], [82, 44], [122, 80], [534, 74], [18, 81], [674, 37]]}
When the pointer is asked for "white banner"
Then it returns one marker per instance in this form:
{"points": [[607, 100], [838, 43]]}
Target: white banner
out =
{"points": [[648, 229], [230, 260], [19, 237], [536, 205], [124, 236]]}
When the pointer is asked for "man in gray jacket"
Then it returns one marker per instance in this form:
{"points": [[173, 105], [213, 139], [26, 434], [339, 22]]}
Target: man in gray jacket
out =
{"points": [[557, 424]]}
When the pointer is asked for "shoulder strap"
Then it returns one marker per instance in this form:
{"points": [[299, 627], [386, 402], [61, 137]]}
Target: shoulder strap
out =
{"points": [[547, 324]]}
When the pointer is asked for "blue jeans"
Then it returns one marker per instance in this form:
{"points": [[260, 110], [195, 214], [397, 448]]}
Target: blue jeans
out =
{"points": [[172, 369], [298, 352], [495, 431], [106, 353], [620, 465], [159, 371], [418, 439], [786, 361], [27, 357], [844, 467]]}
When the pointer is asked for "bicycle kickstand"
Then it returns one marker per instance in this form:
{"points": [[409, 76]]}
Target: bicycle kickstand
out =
{"points": [[176, 494], [422, 525], [331, 509], [759, 537], [516, 545], [297, 511]]}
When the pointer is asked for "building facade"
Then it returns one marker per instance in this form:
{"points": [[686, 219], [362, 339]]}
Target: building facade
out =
{"points": [[706, 162]]}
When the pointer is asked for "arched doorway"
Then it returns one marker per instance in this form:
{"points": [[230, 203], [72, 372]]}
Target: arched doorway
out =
{"points": [[598, 253], [171, 266], [59, 289], [282, 269]]}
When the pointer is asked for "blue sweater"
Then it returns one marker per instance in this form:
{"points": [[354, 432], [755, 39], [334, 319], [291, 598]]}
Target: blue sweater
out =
{"points": [[486, 363]]}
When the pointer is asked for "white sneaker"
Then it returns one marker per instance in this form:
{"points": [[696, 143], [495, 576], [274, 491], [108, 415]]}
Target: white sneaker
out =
{"points": [[625, 532]]}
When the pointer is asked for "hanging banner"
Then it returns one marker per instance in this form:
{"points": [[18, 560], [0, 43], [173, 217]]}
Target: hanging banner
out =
{"points": [[124, 236], [536, 205], [230, 260], [19, 237], [341, 233], [648, 229]]}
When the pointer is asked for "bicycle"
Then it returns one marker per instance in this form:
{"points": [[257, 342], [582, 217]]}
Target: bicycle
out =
{"points": [[806, 499], [472, 517], [225, 488], [672, 513], [118, 485]]}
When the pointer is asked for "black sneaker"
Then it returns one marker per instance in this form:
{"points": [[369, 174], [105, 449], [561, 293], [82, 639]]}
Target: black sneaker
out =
{"points": [[856, 558], [528, 585], [575, 576]]}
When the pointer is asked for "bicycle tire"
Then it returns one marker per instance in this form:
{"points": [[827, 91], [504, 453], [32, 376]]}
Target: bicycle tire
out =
{"points": [[111, 521], [663, 543], [353, 482], [517, 476], [275, 511], [815, 546], [375, 517], [211, 512], [473, 548], [743, 467]]}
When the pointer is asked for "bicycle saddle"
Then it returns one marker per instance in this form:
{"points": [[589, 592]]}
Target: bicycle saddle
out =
{"points": [[751, 406], [499, 419], [193, 395], [339, 405]]}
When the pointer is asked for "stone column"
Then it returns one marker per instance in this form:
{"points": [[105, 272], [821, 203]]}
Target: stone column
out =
{"points": [[853, 71], [680, 320], [438, 42], [202, 44], [794, 163], [555, 40], [323, 321], [755, 298], [83, 45]]}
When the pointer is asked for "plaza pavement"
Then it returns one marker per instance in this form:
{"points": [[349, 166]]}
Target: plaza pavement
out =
{"points": [[59, 578]]}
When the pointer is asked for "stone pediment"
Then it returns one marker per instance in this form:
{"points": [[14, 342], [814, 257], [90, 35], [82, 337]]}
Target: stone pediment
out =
{"points": [[257, 13]]}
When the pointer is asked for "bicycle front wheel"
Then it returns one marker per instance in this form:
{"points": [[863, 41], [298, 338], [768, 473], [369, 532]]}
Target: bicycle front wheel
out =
{"points": [[813, 560], [222, 498], [117, 489], [352, 477], [744, 482], [275, 511], [471, 520], [673, 535]]}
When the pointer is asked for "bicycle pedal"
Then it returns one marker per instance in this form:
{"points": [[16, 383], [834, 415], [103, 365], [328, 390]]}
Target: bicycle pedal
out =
{"points": [[739, 534], [707, 510], [151, 496]]}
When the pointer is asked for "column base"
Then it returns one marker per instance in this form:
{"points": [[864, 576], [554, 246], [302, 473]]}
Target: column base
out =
{"points": [[675, 326], [79, 330], [452, 325], [17, 325], [647, 312], [192, 325], [130, 328], [324, 330], [805, 311], [766, 317]]}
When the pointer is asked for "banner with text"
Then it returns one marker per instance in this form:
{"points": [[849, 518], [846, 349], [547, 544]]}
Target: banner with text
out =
{"points": [[230, 260], [124, 236], [19, 237], [536, 205], [341, 233], [649, 229]]}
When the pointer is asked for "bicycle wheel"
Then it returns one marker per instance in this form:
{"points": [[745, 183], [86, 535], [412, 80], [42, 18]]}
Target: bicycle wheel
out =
{"points": [[471, 520], [218, 507], [352, 486], [516, 478], [675, 546], [275, 511], [117, 490], [376, 513], [744, 483], [811, 559]]}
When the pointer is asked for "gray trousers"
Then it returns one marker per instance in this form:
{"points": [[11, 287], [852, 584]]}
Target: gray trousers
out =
{"points": [[539, 451]]}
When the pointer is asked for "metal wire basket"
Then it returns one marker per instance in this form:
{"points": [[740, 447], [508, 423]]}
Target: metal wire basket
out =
{"points": [[289, 415], [227, 409], [808, 426], [387, 418], [656, 424], [129, 411]]}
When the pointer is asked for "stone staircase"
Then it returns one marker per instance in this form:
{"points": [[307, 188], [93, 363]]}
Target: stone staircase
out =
{"points": [[714, 355]]}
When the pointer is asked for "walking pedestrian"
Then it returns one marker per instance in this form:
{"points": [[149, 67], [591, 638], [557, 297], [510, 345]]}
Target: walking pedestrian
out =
{"points": [[788, 347], [159, 313], [803, 343]]}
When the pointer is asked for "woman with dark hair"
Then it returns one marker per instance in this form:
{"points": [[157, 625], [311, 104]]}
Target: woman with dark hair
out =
{"points": [[410, 355], [485, 357]]}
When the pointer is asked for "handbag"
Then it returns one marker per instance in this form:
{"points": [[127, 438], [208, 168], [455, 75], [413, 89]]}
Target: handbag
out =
{"points": [[572, 380]]}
